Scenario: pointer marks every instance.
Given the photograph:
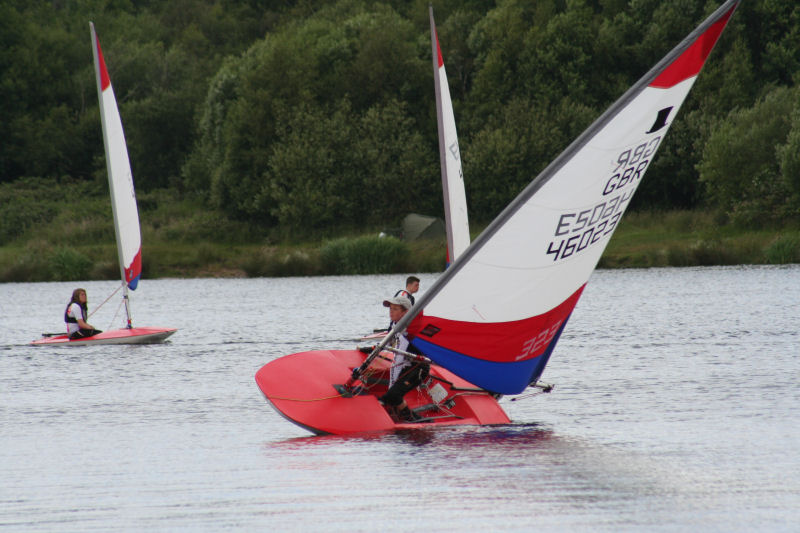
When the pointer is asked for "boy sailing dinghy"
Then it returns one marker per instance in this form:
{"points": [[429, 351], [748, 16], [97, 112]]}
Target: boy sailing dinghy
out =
{"points": [[489, 324], [126, 217]]}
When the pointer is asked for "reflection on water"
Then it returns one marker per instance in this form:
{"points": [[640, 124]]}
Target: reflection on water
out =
{"points": [[519, 436], [675, 409]]}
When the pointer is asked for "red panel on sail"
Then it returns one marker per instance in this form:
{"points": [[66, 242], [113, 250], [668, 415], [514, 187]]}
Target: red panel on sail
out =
{"points": [[690, 62], [502, 342], [134, 271], [105, 81], [439, 51]]}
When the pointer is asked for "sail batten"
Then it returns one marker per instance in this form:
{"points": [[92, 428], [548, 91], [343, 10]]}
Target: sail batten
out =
{"points": [[530, 266]]}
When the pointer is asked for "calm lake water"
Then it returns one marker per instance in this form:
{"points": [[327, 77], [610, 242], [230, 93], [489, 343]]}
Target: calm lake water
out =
{"points": [[676, 408]]}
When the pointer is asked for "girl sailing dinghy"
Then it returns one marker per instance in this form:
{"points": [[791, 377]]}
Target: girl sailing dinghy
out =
{"points": [[455, 196], [126, 217], [490, 322]]}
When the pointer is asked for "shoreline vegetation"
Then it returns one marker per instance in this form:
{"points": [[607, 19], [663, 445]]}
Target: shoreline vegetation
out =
{"points": [[257, 154], [65, 233]]}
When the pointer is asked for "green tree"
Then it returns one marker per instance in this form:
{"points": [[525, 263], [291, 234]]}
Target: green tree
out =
{"points": [[740, 165], [789, 161], [317, 82], [509, 153]]}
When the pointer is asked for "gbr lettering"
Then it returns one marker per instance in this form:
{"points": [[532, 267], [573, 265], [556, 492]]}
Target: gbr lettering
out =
{"points": [[577, 231]]}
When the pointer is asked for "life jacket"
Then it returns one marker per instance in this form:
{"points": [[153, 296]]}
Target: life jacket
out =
{"points": [[71, 320], [403, 292]]}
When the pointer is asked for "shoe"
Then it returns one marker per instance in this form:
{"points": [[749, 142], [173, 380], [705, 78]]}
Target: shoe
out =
{"points": [[408, 415]]}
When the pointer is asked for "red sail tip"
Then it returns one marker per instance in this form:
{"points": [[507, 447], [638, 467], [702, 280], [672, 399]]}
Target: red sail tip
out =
{"points": [[104, 79], [440, 61], [690, 62]]}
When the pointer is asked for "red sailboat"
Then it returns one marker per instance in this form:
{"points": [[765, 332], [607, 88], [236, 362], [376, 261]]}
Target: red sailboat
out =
{"points": [[490, 322]]}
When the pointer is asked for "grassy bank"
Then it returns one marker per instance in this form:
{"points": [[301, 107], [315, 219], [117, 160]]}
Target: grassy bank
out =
{"points": [[694, 238], [55, 232]]}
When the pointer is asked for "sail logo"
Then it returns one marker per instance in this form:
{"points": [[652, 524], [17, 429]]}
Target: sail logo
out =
{"points": [[454, 151], [430, 330], [661, 119]]}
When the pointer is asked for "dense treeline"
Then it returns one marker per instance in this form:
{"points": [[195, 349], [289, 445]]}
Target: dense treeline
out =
{"points": [[308, 116]]}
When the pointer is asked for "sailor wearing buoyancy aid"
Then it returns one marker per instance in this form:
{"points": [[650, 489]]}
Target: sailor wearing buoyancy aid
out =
{"points": [[406, 373], [75, 316], [412, 286]]}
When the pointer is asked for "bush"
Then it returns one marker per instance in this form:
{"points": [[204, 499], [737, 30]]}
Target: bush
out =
{"points": [[30, 265], [67, 264], [196, 227], [364, 255], [272, 262], [708, 253], [26, 204], [783, 250]]}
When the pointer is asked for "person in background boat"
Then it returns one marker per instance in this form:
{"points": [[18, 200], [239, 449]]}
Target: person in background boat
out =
{"points": [[75, 317], [412, 286], [405, 373]]}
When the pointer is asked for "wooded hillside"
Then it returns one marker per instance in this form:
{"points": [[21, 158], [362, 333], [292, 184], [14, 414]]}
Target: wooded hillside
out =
{"points": [[306, 114]]}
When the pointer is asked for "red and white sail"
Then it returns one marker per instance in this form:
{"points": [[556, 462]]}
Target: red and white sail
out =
{"points": [[126, 219], [496, 314], [120, 178], [455, 197]]}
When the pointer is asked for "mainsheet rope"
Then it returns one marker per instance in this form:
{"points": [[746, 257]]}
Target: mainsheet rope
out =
{"points": [[116, 313], [104, 301]]}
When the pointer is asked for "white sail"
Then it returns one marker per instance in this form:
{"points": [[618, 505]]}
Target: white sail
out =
{"points": [[455, 197], [496, 314], [120, 178]]}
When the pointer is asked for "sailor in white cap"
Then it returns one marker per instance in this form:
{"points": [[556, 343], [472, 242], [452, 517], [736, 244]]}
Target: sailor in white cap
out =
{"points": [[406, 373]]}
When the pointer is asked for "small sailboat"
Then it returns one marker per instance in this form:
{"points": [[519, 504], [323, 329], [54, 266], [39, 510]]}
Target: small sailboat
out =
{"points": [[126, 217], [491, 321], [453, 191]]}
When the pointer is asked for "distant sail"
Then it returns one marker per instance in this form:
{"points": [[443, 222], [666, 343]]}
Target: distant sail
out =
{"points": [[495, 316], [455, 197], [120, 178]]}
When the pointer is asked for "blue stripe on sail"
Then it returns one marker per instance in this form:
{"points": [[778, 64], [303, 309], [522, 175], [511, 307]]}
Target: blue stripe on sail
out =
{"points": [[132, 284], [503, 378]]}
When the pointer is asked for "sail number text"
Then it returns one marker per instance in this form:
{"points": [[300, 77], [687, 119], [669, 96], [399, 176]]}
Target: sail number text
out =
{"points": [[631, 165], [538, 343], [576, 231]]}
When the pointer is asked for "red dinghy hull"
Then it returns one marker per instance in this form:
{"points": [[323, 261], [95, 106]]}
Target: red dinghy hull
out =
{"points": [[117, 336], [302, 387]]}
